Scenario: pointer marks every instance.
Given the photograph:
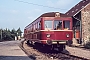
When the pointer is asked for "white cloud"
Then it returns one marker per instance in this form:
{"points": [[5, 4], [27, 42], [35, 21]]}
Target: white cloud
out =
{"points": [[33, 14], [38, 10], [14, 11], [50, 3], [30, 18], [62, 4], [33, 11]]}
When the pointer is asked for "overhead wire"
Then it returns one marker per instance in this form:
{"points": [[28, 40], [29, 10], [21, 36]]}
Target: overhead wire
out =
{"points": [[38, 4]]}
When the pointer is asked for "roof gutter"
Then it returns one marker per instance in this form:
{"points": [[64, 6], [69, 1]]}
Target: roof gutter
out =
{"points": [[76, 18]]}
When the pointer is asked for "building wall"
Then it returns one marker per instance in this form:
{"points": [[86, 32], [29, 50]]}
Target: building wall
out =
{"points": [[85, 17]]}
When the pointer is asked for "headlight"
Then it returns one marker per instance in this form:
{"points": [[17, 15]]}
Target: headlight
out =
{"points": [[49, 42], [67, 35], [48, 35]]}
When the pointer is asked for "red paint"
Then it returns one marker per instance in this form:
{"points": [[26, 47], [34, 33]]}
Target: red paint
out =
{"points": [[56, 35], [31, 33]]}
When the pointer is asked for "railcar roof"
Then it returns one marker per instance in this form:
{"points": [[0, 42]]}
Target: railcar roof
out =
{"points": [[77, 8], [52, 14]]}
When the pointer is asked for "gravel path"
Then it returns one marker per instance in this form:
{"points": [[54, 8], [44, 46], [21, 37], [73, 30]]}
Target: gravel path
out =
{"points": [[9, 50], [33, 53], [78, 52], [41, 54]]}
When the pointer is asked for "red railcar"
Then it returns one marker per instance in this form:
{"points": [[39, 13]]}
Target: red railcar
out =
{"points": [[53, 29]]}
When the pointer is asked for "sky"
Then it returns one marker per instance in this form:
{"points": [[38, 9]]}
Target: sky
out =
{"points": [[20, 13]]}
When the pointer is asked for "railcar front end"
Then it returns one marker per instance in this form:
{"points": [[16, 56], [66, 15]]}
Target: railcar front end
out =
{"points": [[57, 32], [51, 29], [56, 36]]}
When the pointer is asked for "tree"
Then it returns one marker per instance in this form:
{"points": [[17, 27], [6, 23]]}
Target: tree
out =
{"points": [[13, 33], [6, 34], [0, 34], [19, 32]]}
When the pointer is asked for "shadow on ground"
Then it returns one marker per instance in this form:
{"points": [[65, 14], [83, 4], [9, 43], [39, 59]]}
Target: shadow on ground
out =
{"points": [[14, 58], [45, 49]]}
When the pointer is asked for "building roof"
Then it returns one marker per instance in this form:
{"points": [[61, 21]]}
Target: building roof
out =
{"points": [[77, 8]]}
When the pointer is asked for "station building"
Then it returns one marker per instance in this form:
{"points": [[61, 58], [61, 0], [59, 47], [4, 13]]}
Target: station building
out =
{"points": [[81, 22]]}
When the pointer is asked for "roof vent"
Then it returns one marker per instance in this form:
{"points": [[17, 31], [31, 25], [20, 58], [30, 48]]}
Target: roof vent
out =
{"points": [[76, 9], [72, 11], [83, 1], [82, 6], [67, 13], [77, 4]]}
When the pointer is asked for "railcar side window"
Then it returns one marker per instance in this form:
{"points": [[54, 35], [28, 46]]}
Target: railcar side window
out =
{"points": [[58, 25], [48, 24], [36, 26], [39, 25], [66, 25]]}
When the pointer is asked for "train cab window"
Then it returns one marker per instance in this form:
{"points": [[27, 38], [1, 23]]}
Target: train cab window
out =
{"points": [[58, 25], [66, 25], [48, 24]]}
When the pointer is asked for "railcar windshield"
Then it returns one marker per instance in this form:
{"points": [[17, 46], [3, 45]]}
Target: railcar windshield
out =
{"points": [[66, 24], [60, 25], [57, 24], [48, 24]]}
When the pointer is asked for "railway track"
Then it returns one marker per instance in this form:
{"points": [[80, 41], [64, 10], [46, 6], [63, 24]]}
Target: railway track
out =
{"points": [[37, 53]]}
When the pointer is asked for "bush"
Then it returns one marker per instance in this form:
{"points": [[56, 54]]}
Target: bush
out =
{"points": [[87, 45], [7, 34]]}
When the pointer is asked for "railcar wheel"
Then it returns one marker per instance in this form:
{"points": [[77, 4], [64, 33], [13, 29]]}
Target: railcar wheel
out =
{"points": [[69, 42], [61, 48], [46, 48], [64, 47], [28, 42]]}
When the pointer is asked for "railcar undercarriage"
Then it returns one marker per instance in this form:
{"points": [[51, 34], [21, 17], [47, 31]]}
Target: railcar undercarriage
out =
{"points": [[58, 47]]}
